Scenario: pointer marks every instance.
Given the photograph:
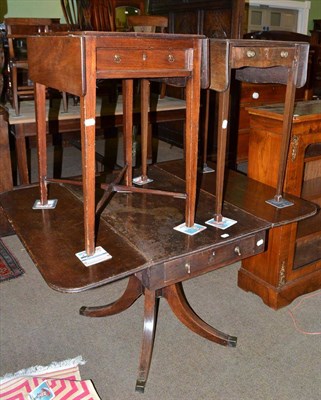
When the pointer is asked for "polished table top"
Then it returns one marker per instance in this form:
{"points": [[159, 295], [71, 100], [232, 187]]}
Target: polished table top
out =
{"points": [[136, 229]]}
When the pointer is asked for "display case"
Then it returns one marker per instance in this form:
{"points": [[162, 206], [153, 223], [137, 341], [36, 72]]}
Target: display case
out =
{"points": [[292, 264]]}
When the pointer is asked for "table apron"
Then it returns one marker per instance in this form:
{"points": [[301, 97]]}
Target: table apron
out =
{"points": [[192, 265], [134, 73]]}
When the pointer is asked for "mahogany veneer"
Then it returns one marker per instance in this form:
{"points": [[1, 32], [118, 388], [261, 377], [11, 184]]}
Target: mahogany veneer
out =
{"points": [[292, 264]]}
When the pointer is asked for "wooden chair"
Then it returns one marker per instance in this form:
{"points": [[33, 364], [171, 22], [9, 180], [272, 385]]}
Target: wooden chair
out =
{"points": [[98, 15], [125, 8], [17, 31], [93, 15], [147, 23]]}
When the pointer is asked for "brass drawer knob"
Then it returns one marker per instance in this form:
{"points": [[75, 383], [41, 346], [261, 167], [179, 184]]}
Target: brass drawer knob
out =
{"points": [[284, 54], [251, 53], [171, 58], [237, 250], [117, 58]]}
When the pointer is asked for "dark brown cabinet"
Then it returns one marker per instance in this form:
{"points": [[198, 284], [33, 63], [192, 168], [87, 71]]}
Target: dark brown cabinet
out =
{"points": [[214, 19]]}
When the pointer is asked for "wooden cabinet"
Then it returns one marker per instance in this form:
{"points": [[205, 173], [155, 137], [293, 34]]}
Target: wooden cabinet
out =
{"points": [[291, 266], [212, 18], [316, 46], [256, 95], [271, 18], [215, 18]]}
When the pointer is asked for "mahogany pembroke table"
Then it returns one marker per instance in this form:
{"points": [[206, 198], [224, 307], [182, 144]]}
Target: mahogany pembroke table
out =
{"points": [[75, 61]]}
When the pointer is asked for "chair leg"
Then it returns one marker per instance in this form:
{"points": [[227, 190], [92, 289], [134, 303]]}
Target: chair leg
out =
{"points": [[163, 90], [21, 154], [14, 82], [65, 101]]}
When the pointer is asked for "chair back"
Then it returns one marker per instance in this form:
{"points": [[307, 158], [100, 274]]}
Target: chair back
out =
{"points": [[19, 28], [102, 15], [77, 14], [147, 23]]}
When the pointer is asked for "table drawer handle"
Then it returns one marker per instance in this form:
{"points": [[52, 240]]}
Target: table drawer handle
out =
{"points": [[171, 58], [237, 250], [251, 53], [255, 95], [188, 267], [117, 58], [284, 54]]}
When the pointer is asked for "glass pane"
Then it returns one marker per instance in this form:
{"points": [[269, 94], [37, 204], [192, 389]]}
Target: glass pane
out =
{"points": [[275, 19], [256, 18]]}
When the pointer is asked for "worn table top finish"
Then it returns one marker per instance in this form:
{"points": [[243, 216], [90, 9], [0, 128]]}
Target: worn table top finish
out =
{"points": [[72, 62], [142, 224]]}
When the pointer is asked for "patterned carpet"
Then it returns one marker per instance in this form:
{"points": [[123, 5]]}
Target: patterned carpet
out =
{"points": [[9, 266], [59, 380]]}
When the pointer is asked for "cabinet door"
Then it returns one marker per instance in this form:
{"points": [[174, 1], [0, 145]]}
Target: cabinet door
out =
{"points": [[267, 18]]}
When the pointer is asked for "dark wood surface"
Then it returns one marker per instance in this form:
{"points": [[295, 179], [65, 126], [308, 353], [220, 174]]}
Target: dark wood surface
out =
{"points": [[249, 195], [214, 19], [137, 229], [260, 62], [6, 182], [292, 264], [143, 225]]}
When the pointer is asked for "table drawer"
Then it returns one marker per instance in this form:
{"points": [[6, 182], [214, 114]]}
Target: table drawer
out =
{"points": [[122, 59], [262, 57], [204, 261]]}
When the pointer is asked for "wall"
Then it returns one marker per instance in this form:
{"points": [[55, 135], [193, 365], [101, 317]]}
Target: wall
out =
{"points": [[315, 12], [31, 8], [51, 8]]}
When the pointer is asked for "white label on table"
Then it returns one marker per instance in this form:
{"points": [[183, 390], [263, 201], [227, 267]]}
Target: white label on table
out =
{"points": [[90, 122]]}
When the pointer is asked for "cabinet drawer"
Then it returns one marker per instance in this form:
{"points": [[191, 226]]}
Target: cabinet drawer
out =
{"points": [[186, 267], [120, 59], [256, 94]]}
